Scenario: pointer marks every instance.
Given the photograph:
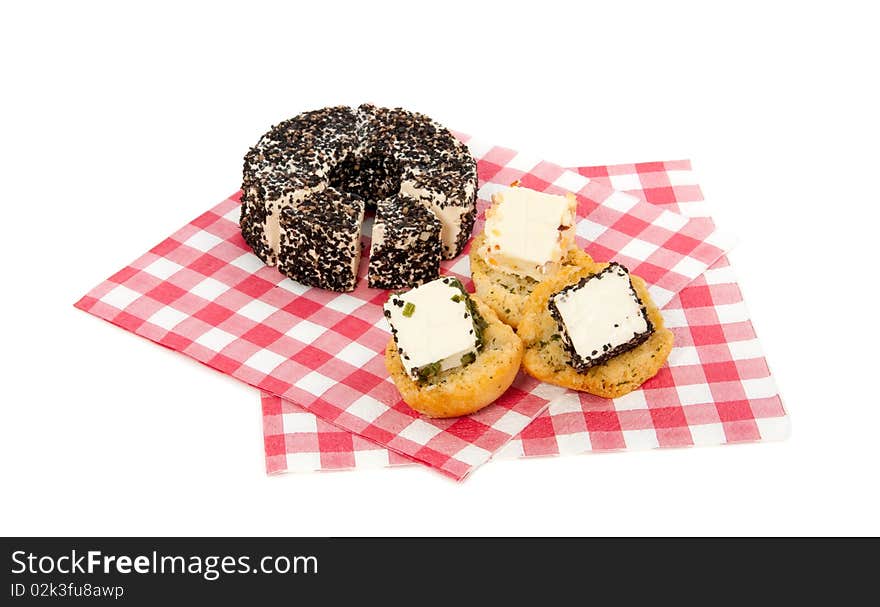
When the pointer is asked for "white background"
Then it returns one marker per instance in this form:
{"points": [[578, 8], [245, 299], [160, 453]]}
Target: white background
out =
{"points": [[121, 124]]}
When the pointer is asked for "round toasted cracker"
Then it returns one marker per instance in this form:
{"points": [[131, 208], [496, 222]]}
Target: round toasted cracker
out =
{"points": [[547, 360], [507, 293], [463, 390]]}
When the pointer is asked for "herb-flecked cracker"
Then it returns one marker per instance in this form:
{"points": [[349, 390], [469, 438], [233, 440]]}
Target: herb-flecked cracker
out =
{"points": [[546, 359], [507, 293], [465, 389]]}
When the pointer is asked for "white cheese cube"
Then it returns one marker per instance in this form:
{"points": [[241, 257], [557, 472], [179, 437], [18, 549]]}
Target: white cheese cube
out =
{"points": [[432, 325], [528, 232], [600, 317]]}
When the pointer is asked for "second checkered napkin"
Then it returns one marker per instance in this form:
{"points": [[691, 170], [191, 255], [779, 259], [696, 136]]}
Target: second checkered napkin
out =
{"points": [[716, 389]]}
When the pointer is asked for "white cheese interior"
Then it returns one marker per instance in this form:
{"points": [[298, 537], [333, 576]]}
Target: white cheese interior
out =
{"points": [[523, 234], [439, 328], [604, 311]]}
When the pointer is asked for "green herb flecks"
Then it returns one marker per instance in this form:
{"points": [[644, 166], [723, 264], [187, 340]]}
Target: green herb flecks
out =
{"points": [[468, 358], [480, 323], [408, 309], [428, 371]]}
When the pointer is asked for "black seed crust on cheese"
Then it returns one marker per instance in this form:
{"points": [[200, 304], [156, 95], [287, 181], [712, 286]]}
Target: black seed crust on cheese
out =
{"points": [[582, 363], [320, 240], [373, 177], [366, 153], [439, 188], [407, 254]]}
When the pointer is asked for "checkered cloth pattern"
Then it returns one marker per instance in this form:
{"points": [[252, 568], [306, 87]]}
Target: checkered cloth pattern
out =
{"points": [[716, 389], [202, 292]]}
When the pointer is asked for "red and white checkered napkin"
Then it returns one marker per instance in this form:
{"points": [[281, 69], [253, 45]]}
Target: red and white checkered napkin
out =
{"points": [[202, 292], [716, 388]]}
